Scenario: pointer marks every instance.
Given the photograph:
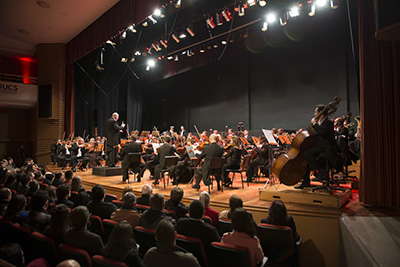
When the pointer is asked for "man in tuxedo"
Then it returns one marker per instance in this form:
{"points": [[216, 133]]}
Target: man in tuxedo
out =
{"points": [[183, 132], [131, 147], [213, 150], [165, 150], [112, 134]]}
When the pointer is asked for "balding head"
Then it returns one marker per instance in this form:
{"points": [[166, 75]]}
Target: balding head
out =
{"points": [[213, 138], [69, 263]]}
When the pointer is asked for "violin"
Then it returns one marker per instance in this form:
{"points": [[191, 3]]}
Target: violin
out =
{"points": [[201, 145]]}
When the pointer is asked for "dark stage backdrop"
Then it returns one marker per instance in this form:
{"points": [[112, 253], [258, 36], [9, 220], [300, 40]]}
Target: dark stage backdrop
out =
{"points": [[266, 80]]}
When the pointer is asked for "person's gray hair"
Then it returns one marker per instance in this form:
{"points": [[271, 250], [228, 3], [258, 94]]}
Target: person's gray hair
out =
{"points": [[115, 114], [129, 198], [147, 189], [204, 197]]}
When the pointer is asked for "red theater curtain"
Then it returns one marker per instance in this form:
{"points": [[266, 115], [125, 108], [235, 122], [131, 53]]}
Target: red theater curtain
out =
{"points": [[380, 114]]}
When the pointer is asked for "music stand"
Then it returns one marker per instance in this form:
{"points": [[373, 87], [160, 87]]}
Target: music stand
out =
{"points": [[271, 142]]}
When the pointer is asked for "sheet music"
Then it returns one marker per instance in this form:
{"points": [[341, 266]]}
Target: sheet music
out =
{"points": [[270, 137], [155, 146], [190, 151]]}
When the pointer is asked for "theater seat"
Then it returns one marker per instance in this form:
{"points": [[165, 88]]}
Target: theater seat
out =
{"points": [[145, 238], [194, 246], [225, 255], [100, 261], [80, 255], [45, 247]]}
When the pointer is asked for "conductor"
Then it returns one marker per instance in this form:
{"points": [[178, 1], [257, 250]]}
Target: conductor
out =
{"points": [[112, 134]]}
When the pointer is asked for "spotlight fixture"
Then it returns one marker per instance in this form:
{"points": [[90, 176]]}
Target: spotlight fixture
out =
{"points": [[133, 59], [190, 52], [251, 2], [175, 38], [152, 19], [262, 2], [240, 10], [155, 47], [151, 63], [321, 3], [227, 15], [157, 12], [215, 46], [137, 53], [224, 42], [210, 23], [123, 35], [218, 19], [334, 4], [132, 28], [202, 49], [170, 57], [177, 3], [145, 24], [110, 42], [264, 26], [209, 47], [164, 43], [271, 18], [176, 58], [283, 18], [190, 30], [124, 59], [310, 8], [294, 12], [182, 35]]}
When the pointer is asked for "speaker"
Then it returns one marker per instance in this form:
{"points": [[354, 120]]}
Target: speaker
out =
{"points": [[45, 100]]}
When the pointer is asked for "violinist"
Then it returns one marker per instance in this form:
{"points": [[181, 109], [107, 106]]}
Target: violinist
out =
{"points": [[210, 151], [165, 150], [261, 158], [324, 129], [182, 169], [78, 153], [63, 153], [233, 156], [248, 137], [183, 132], [131, 147]]}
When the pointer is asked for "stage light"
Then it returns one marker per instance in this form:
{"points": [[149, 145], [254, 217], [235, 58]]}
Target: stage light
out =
{"points": [[310, 8], [321, 3], [176, 58], [209, 46], [154, 21], [157, 12], [182, 35], [264, 26], [155, 46], [251, 2], [240, 10], [123, 35], [151, 63], [215, 46], [271, 18], [283, 18], [190, 52], [147, 68], [224, 42], [164, 43], [262, 2], [133, 59], [294, 11], [210, 23], [218, 19], [177, 3], [124, 59], [202, 49], [137, 53], [334, 4], [145, 24], [110, 42], [246, 33], [175, 38], [132, 28], [227, 15], [190, 30], [170, 57]]}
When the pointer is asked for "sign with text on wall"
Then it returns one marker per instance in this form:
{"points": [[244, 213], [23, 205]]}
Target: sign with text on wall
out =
{"points": [[18, 95]]}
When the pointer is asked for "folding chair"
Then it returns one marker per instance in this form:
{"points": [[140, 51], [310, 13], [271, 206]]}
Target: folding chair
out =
{"points": [[169, 162], [217, 168], [133, 159], [240, 171]]}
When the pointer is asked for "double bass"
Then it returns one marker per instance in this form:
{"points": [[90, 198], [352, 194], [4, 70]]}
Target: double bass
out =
{"points": [[291, 167]]}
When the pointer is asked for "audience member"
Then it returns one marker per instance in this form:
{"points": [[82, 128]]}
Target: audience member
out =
{"points": [[175, 204], [33, 187], [244, 234], [68, 263], [59, 224], [63, 193], [82, 198], [23, 184], [5, 197], [121, 246], [234, 203], [127, 211], [147, 190], [16, 209], [58, 179], [167, 253], [51, 191], [78, 236], [277, 214], [151, 217], [195, 227], [126, 189], [48, 178], [13, 254], [97, 206], [204, 197], [68, 177], [37, 217]]}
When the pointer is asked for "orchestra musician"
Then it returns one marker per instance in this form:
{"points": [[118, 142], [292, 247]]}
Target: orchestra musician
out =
{"points": [[183, 132], [261, 158], [233, 156], [78, 153], [248, 137], [131, 147], [112, 135], [326, 144], [164, 150], [63, 153], [182, 169], [210, 151]]}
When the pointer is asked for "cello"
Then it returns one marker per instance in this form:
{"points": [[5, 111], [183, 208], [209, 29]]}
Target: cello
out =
{"points": [[291, 167]]}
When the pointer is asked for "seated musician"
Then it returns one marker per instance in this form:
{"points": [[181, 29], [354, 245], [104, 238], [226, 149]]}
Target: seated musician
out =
{"points": [[261, 159], [165, 150], [182, 169], [63, 153], [213, 150], [233, 157], [131, 147], [326, 144], [248, 137], [79, 153]]}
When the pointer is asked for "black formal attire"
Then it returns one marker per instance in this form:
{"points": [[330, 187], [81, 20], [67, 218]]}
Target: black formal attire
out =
{"points": [[182, 169], [53, 149], [209, 152], [261, 159], [85, 240], [101, 209], [112, 135], [163, 151], [132, 147], [143, 200], [169, 256], [180, 209], [327, 145], [78, 153], [150, 218], [234, 157], [66, 202], [63, 154]]}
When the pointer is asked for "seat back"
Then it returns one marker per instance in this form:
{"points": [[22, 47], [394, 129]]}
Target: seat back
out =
{"points": [[73, 196], [207, 219], [224, 226], [247, 159], [141, 208], [108, 226], [145, 238], [110, 198], [194, 246], [45, 247], [170, 213], [6, 231], [229, 255], [22, 236], [80, 255], [118, 203], [100, 261], [217, 163], [171, 161], [134, 157], [277, 244], [96, 225]]}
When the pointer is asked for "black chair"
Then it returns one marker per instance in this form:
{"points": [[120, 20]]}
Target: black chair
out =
{"points": [[224, 226], [169, 166], [45, 247], [100, 261], [194, 246], [327, 183], [145, 238], [110, 198], [277, 244], [225, 255], [240, 170], [133, 160], [71, 252], [217, 168]]}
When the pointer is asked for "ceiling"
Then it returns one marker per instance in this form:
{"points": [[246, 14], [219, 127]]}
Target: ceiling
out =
{"points": [[26, 23]]}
